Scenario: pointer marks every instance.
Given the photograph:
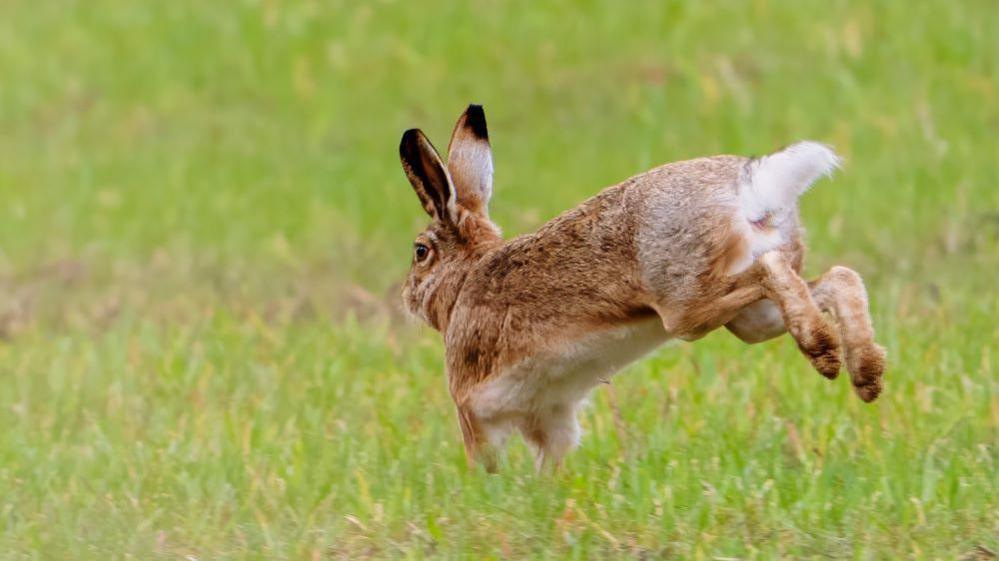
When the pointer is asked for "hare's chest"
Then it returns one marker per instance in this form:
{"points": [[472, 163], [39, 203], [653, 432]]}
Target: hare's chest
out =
{"points": [[563, 374]]}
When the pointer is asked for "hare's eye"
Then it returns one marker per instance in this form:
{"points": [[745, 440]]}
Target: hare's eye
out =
{"points": [[421, 251]]}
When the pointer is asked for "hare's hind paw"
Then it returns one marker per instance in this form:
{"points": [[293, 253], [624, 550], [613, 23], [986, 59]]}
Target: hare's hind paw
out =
{"points": [[866, 366], [823, 352]]}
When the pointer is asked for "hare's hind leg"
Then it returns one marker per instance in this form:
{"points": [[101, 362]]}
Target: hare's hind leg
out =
{"points": [[772, 276], [841, 292], [816, 339]]}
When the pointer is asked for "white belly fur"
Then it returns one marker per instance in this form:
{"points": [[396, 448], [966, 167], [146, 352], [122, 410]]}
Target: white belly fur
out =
{"points": [[560, 378]]}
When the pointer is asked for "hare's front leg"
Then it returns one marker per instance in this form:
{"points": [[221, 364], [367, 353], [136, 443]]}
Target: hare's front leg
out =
{"points": [[483, 441], [840, 291], [551, 433]]}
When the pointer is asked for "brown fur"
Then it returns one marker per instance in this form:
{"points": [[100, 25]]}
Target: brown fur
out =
{"points": [[530, 324], [841, 292]]}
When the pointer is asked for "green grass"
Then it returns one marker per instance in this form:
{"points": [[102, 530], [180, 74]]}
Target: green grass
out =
{"points": [[203, 221]]}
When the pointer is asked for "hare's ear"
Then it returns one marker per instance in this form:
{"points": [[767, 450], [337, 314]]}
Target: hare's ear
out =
{"points": [[426, 171], [470, 160]]}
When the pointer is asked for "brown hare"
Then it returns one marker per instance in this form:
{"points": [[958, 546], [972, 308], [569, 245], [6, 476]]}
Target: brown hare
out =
{"points": [[532, 324]]}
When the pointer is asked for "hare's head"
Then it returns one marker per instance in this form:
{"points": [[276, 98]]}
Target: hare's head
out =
{"points": [[456, 197]]}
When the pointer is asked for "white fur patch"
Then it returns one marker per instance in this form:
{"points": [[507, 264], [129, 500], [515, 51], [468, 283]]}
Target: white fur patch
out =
{"points": [[759, 241], [565, 374], [769, 188], [772, 184], [471, 165]]}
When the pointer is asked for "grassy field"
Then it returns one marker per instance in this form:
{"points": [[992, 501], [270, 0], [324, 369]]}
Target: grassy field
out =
{"points": [[203, 224]]}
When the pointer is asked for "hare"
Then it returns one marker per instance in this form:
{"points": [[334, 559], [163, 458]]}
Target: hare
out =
{"points": [[532, 324]]}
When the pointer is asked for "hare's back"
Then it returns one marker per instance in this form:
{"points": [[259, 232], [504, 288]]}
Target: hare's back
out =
{"points": [[677, 191]]}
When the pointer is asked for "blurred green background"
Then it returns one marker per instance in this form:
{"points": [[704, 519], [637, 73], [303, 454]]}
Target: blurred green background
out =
{"points": [[203, 224]]}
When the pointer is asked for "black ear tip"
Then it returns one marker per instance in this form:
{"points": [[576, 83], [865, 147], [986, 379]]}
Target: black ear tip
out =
{"points": [[410, 140], [475, 119]]}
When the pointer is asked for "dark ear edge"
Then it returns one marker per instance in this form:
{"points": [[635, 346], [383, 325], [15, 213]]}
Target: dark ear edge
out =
{"points": [[426, 172]]}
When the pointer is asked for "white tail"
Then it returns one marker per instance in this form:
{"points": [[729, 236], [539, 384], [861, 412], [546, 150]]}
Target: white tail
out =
{"points": [[771, 185]]}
